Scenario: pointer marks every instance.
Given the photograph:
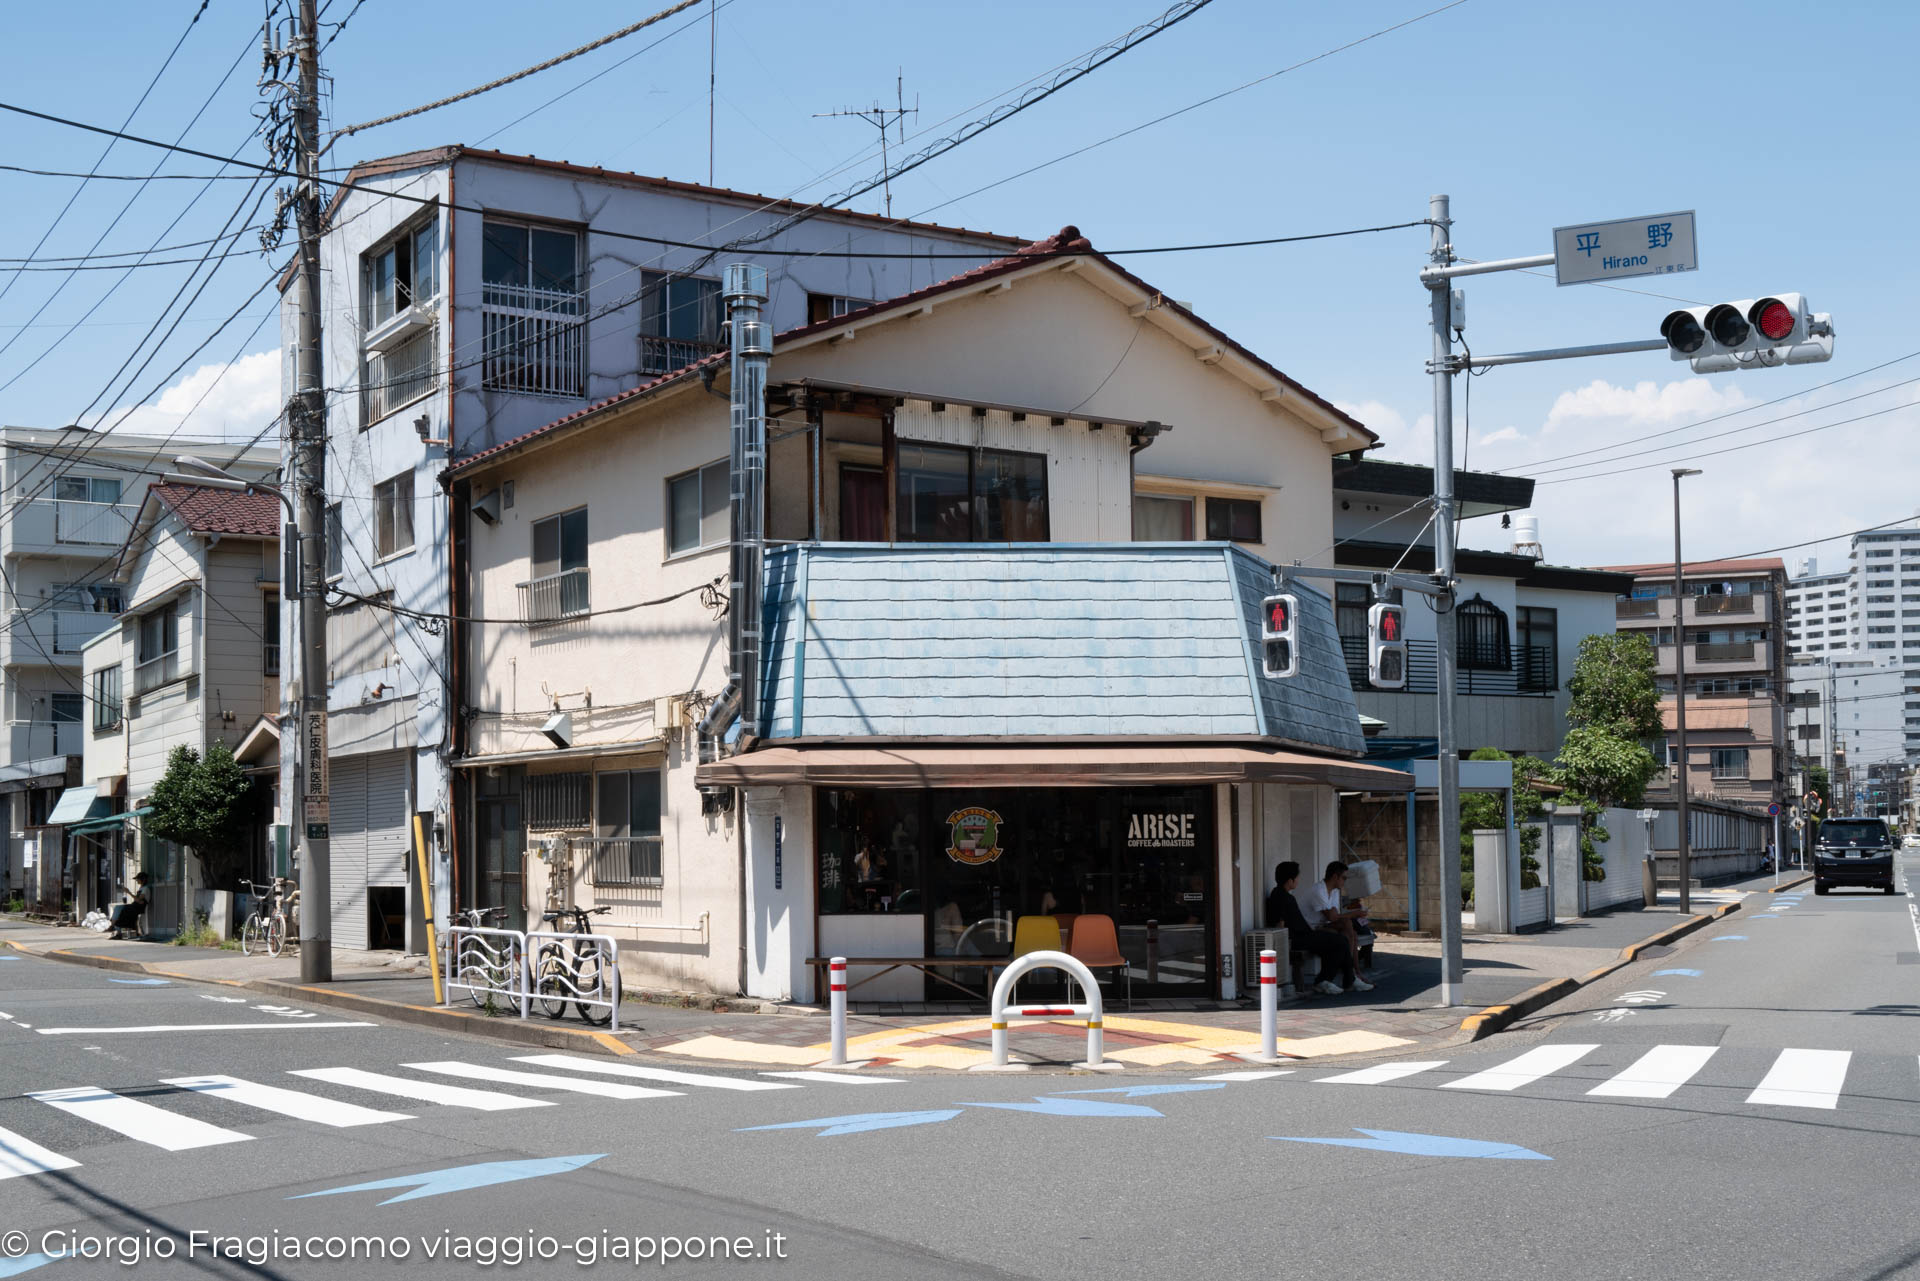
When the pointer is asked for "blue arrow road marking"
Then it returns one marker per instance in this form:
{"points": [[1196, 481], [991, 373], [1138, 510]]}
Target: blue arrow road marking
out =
{"points": [[1764, 916], [1425, 1145], [464, 1177], [1073, 1107], [861, 1122], [1728, 938], [142, 982], [1692, 974], [26, 1262], [1137, 1091]]}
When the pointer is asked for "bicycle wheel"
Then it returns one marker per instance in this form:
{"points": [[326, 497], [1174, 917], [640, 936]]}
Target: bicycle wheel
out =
{"points": [[276, 935], [250, 934], [588, 977], [554, 986]]}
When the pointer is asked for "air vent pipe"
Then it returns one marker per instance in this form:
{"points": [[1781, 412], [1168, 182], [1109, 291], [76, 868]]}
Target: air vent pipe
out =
{"points": [[751, 346]]}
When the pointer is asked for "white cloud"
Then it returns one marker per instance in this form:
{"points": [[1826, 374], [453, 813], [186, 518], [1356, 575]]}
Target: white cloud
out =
{"points": [[1643, 404], [229, 401], [1496, 437]]}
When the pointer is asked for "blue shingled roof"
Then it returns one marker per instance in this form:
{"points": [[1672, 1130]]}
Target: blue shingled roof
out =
{"points": [[1041, 640]]}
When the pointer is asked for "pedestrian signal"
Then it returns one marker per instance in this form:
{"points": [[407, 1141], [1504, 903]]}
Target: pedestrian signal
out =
{"points": [[1279, 630], [1387, 646]]}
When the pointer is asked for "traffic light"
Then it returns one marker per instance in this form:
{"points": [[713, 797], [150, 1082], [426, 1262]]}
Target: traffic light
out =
{"points": [[1387, 646], [1279, 630], [1752, 333]]}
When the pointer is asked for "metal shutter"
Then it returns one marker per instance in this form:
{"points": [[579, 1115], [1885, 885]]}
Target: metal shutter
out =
{"points": [[347, 792], [387, 840]]}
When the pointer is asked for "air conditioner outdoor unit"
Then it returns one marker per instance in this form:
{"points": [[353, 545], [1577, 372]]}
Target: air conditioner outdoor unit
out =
{"points": [[1252, 943]]}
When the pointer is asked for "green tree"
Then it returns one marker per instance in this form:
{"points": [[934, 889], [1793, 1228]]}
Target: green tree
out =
{"points": [[1613, 687], [207, 804]]}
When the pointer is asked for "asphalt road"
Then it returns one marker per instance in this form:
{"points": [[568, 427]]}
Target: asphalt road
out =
{"points": [[1745, 1106]]}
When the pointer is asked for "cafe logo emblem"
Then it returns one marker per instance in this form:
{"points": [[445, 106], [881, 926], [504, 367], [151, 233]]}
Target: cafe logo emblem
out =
{"points": [[975, 835]]}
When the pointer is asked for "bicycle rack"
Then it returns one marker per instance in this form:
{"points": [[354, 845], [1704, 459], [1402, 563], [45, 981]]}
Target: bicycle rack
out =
{"points": [[606, 992], [470, 944]]}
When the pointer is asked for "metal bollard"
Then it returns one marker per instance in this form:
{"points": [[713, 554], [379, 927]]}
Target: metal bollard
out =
{"points": [[1269, 1004], [837, 1009]]}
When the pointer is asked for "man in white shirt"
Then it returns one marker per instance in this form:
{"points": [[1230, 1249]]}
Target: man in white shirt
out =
{"points": [[1324, 910]]}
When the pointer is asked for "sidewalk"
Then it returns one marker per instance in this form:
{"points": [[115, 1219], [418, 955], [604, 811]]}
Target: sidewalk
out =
{"points": [[1506, 977]]}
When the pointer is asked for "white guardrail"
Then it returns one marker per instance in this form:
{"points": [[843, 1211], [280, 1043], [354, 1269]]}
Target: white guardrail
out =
{"points": [[545, 968]]}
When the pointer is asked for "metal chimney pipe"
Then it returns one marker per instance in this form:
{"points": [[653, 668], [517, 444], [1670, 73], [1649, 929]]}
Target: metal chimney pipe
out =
{"points": [[745, 290]]}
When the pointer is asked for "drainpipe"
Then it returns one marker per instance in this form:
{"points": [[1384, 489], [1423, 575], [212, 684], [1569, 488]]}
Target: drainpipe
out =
{"points": [[745, 291]]}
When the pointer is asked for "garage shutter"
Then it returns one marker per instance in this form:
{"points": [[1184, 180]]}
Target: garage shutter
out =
{"points": [[386, 808], [347, 791]]}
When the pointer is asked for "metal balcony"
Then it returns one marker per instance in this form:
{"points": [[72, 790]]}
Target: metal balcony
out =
{"points": [[533, 341], [555, 598], [626, 860]]}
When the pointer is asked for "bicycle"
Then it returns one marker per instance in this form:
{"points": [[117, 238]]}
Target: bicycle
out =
{"points": [[266, 926], [563, 973], [480, 964]]}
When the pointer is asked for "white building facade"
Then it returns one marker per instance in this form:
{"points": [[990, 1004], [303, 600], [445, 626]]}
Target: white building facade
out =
{"points": [[1881, 616]]}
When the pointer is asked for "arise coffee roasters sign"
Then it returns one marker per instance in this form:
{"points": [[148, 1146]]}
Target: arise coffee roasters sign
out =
{"points": [[974, 835], [1160, 832]]}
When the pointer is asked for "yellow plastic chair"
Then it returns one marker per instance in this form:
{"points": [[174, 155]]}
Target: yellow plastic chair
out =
{"points": [[1096, 945], [1035, 934]]}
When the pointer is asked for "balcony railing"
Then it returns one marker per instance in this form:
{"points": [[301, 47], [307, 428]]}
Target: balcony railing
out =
{"points": [[555, 598], [73, 628], [156, 672], [91, 524], [664, 355], [1535, 671], [534, 341], [626, 860], [1636, 608], [42, 636], [1740, 604], [30, 740], [1724, 652]]}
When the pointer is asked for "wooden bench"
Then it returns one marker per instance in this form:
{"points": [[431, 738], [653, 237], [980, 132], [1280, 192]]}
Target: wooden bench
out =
{"points": [[925, 964]]}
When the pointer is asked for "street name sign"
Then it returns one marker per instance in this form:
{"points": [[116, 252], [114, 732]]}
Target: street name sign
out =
{"points": [[1600, 251]]}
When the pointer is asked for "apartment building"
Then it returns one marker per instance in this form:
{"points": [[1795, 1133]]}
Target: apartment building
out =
{"points": [[1732, 620], [1845, 714], [1817, 614], [71, 496], [472, 297], [1873, 606]]}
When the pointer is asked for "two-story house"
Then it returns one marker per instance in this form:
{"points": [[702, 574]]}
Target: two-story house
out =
{"points": [[471, 297], [980, 698], [194, 659], [1732, 619], [70, 500]]}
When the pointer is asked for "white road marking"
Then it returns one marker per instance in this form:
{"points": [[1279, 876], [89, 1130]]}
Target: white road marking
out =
{"points": [[610, 1068], [1529, 1067], [20, 1156], [544, 1080], [137, 1120], [1657, 1073], [1382, 1074], [293, 1103], [457, 1096], [190, 1027], [1246, 1076], [1804, 1079], [837, 1078]]}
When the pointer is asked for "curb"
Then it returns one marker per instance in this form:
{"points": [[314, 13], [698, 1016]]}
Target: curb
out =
{"points": [[522, 1032], [1498, 1018], [1801, 879]]}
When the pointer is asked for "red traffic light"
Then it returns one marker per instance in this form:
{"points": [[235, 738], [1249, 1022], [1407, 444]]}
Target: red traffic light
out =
{"points": [[1279, 610], [1389, 625], [1773, 318]]}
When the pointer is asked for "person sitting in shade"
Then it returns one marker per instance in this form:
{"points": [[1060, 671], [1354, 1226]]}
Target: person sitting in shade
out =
{"points": [[1283, 911], [1323, 907], [126, 917]]}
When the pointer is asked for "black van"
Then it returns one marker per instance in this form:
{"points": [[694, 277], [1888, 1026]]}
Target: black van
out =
{"points": [[1853, 851]]}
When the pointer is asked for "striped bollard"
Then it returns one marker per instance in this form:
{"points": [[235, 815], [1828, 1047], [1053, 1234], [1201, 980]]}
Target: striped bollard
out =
{"points": [[1269, 1004], [837, 1009]]}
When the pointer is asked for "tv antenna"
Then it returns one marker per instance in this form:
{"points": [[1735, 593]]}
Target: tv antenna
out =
{"points": [[884, 118]]}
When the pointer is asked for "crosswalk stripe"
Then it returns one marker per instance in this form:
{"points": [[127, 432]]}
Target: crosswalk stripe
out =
{"points": [[836, 1078], [294, 1103], [545, 1080], [1540, 1061], [137, 1120], [1804, 1079], [611, 1068], [457, 1096], [1657, 1073], [20, 1156], [1382, 1074]]}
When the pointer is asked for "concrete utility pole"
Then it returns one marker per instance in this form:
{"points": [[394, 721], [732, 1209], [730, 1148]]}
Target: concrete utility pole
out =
{"points": [[1452, 959], [307, 428], [1680, 697]]}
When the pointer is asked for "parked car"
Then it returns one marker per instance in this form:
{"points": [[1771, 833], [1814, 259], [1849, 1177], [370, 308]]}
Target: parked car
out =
{"points": [[1853, 851]]}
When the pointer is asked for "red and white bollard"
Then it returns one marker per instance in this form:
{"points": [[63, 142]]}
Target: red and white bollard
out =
{"points": [[1269, 1005], [837, 1009]]}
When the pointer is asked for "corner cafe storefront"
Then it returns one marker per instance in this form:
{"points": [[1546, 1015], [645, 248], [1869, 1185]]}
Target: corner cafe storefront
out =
{"points": [[932, 852]]}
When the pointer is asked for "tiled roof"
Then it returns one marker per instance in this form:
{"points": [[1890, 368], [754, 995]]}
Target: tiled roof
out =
{"points": [[1065, 243], [1659, 568], [221, 511]]}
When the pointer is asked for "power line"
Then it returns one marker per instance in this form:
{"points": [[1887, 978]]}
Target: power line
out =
{"points": [[711, 593]]}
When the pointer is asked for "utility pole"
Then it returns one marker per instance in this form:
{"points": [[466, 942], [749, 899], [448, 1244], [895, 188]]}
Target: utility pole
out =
{"points": [[1680, 698], [307, 428], [1452, 959]]}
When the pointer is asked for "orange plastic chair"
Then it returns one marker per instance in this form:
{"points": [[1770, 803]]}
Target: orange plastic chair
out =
{"points": [[1096, 945]]}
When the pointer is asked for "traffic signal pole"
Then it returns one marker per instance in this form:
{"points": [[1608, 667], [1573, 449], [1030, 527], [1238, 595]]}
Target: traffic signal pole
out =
{"points": [[1452, 957]]}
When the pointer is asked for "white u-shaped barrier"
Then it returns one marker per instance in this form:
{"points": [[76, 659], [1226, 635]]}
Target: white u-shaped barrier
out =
{"points": [[1090, 1010]]}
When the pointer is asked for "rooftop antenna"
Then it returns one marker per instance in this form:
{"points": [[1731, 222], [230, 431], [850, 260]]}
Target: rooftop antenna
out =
{"points": [[884, 118]]}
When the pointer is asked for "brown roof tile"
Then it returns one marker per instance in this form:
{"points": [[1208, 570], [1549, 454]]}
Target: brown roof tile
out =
{"points": [[221, 511]]}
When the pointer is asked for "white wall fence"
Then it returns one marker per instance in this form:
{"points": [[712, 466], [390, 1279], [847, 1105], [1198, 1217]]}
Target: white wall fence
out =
{"points": [[1501, 905]]}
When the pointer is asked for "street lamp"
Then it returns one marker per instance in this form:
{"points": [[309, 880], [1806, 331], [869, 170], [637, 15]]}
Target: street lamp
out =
{"points": [[1680, 695]]}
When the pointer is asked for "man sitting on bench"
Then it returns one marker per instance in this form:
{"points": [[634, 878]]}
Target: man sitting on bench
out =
{"points": [[127, 915], [1283, 910]]}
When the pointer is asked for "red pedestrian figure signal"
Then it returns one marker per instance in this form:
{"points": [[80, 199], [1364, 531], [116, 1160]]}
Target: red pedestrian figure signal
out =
{"points": [[1279, 632], [1387, 646]]}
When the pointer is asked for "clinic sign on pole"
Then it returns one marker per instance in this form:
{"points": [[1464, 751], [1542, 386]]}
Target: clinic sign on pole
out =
{"points": [[1654, 245], [313, 746]]}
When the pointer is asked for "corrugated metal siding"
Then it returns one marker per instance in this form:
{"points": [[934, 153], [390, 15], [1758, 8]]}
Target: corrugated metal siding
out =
{"points": [[386, 808], [347, 851], [1037, 640]]}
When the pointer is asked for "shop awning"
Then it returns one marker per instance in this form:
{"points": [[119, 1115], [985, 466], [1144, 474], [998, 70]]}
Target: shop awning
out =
{"points": [[1052, 765], [44, 772], [75, 805], [107, 822]]}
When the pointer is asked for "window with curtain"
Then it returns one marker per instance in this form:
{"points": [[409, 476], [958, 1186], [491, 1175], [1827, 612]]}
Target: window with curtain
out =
{"points": [[1158, 518], [1234, 520]]}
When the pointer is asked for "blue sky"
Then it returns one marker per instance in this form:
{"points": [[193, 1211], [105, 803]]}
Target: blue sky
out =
{"points": [[1787, 128]]}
